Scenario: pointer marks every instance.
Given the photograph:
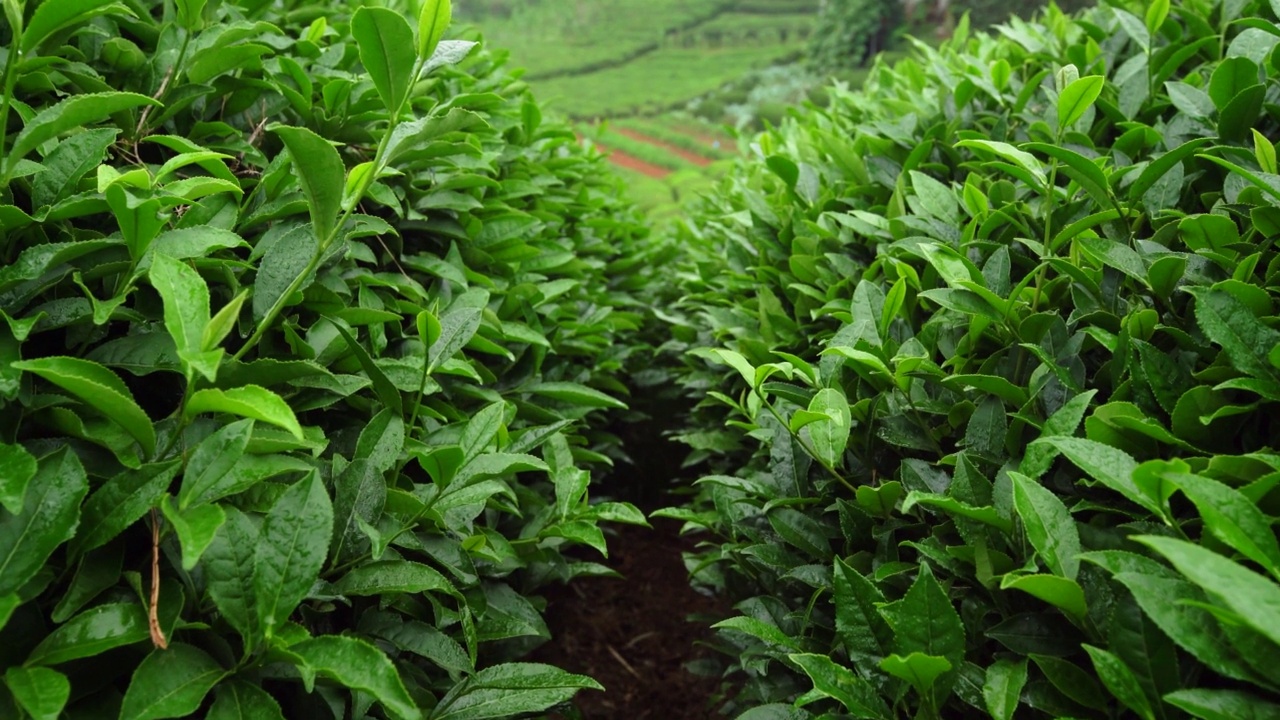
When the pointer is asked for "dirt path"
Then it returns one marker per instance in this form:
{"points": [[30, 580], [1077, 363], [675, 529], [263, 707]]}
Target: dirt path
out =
{"points": [[632, 635], [692, 157]]}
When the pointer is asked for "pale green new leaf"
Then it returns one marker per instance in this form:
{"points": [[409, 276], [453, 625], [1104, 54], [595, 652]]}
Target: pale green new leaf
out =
{"points": [[250, 401]]}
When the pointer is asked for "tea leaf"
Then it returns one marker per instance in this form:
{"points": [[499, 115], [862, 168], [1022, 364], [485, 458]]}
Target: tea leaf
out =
{"points": [[1076, 99], [49, 515], [73, 112], [251, 401], [170, 683], [386, 51], [1120, 680], [101, 389], [838, 683], [291, 549], [320, 174], [1049, 526], [510, 689], [41, 692], [1253, 597], [1002, 688], [433, 20], [358, 665]]}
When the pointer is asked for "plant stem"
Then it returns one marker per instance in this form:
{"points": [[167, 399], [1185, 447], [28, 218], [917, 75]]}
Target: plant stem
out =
{"points": [[10, 79]]}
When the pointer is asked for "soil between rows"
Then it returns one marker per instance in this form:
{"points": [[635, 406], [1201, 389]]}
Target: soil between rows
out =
{"points": [[632, 635], [692, 157]]}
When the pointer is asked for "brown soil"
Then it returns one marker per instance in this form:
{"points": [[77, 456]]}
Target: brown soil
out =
{"points": [[692, 157], [624, 160], [633, 635]]}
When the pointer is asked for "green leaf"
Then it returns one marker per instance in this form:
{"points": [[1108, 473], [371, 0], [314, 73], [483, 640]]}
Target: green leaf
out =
{"points": [[291, 549], [509, 690], [1233, 519], [250, 401], [1109, 466], [170, 683], [394, 576], [760, 629], [238, 700], [101, 389], [1157, 12], [802, 531], [1079, 168], [1232, 76], [1077, 98], [360, 493], [121, 501], [91, 633], [576, 394], [73, 112], [1120, 681], [1049, 526], [50, 17], [457, 326], [284, 262], [1072, 681], [1002, 688], [357, 665], [49, 516], [386, 51], [186, 306], [859, 698], [17, 467], [40, 691], [212, 461], [224, 322], [925, 621], [830, 437], [922, 671], [1254, 598], [1232, 325], [865, 634], [1063, 422], [195, 527], [1003, 150], [229, 573], [387, 393], [937, 199], [1162, 165], [986, 515], [1063, 593], [1223, 705], [433, 20], [320, 173]]}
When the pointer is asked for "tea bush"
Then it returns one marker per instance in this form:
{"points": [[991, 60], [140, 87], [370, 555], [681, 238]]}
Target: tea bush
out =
{"points": [[988, 364], [311, 322]]}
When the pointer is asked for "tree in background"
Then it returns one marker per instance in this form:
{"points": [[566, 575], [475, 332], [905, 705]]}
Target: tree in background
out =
{"points": [[850, 32]]}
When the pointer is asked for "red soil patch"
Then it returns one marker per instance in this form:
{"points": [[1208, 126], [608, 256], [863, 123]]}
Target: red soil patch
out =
{"points": [[692, 157], [624, 160]]}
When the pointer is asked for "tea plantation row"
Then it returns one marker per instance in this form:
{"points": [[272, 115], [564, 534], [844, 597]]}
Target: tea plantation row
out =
{"points": [[283, 323], [314, 329], [987, 362]]}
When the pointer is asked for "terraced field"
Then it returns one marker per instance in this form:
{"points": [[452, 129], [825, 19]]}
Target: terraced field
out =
{"points": [[637, 63]]}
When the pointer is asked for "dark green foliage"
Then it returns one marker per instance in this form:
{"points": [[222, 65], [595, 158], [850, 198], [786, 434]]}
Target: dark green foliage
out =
{"points": [[850, 32], [989, 362], [310, 321]]}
